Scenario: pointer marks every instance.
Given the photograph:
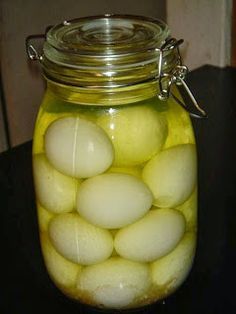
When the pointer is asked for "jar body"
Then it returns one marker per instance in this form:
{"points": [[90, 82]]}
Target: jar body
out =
{"points": [[116, 194]]}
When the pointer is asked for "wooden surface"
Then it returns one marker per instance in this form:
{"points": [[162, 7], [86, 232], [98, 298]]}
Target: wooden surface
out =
{"points": [[210, 289]]}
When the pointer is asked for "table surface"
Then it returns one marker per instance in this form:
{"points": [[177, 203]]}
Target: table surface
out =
{"points": [[210, 288]]}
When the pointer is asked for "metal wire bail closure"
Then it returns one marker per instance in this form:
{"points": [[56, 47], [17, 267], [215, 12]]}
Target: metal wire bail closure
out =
{"points": [[165, 79], [176, 76], [31, 51]]}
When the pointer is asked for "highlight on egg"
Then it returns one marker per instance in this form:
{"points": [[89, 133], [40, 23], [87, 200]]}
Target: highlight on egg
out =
{"points": [[115, 283], [171, 175], [79, 241], [113, 200], [78, 148]]}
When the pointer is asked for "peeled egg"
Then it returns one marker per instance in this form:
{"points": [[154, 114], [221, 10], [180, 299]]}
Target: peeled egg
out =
{"points": [[79, 241], [113, 200], [152, 237], [171, 175], [55, 191], [78, 148], [62, 271], [171, 270], [137, 133], [180, 129], [44, 218], [115, 283], [189, 210]]}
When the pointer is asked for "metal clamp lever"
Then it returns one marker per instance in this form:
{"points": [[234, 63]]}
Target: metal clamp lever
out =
{"points": [[177, 76], [31, 51], [202, 113]]}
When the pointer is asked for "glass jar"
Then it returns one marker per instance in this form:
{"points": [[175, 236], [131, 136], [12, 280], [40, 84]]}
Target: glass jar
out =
{"points": [[114, 162]]}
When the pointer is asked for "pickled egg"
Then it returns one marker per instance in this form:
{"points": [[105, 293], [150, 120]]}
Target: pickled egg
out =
{"points": [[137, 133], [55, 191], [44, 218], [78, 148], [171, 175], [115, 283], [180, 129], [189, 210], [78, 241], [171, 270], [62, 271], [152, 237], [113, 200]]}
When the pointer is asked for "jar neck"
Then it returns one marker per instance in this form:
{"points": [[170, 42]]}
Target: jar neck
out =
{"points": [[113, 74], [107, 51], [115, 96]]}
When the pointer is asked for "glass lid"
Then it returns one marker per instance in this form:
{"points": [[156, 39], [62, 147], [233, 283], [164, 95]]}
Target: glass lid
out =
{"points": [[107, 35]]}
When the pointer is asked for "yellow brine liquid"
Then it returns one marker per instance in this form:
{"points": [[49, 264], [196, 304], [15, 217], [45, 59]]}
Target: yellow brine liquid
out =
{"points": [[117, 198]]}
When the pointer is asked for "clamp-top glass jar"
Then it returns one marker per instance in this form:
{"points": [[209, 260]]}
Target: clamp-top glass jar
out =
{"points": [[114, 162]]}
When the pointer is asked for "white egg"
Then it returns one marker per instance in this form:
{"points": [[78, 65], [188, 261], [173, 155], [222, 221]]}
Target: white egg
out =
{"points": [[55, 191], [137, 133], [78, 148], [113, 200], [62, 271], [44, 218], [79, 241], [152, 237], [115, 283], [170, 271], [171, 175], [189, 210]]}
